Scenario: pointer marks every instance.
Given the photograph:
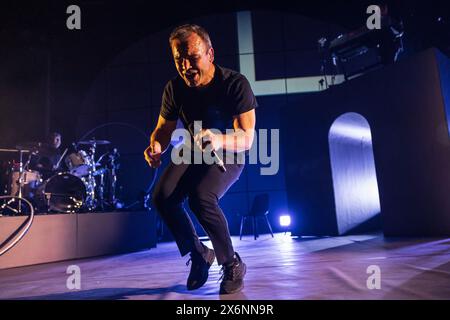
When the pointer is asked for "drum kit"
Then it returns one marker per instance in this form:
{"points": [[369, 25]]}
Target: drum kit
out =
{"points": [[79, 181]]}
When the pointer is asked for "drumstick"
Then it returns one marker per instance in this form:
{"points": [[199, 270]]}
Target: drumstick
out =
{"points": [[59, 161]]}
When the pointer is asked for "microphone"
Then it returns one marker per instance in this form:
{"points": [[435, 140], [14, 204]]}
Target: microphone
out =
{"points": [[75, 146], [220, 162], [190, 126]]}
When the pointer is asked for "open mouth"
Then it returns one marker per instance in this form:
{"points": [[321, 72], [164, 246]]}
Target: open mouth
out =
{"points": [[191, 75]]}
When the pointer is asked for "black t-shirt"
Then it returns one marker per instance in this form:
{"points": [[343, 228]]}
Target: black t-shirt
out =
{"points": [[45, 160], [227, 95]]}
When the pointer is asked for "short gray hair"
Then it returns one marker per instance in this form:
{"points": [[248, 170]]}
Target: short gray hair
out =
{"points": [[184, 31]]}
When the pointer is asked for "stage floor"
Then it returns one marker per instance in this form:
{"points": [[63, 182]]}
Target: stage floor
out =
{"points": [[280, 268]]}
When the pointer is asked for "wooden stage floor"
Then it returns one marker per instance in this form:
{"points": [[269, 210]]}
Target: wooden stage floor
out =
{"points": [[280, 268]]}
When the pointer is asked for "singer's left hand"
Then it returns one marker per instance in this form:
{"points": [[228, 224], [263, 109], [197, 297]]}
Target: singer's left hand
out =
{"points": [[206, 136]]}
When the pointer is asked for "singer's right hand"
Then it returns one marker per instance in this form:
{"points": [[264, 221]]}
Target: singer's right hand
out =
{"points": [[153, 154]]}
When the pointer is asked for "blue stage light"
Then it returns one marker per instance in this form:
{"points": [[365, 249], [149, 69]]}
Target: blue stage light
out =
{"points": [[285, 220]]}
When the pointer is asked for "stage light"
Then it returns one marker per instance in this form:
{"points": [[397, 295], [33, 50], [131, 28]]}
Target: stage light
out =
{"points": [[285, 220]]}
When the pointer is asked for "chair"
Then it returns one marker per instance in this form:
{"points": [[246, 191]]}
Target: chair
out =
{"points": [[259, 209]]}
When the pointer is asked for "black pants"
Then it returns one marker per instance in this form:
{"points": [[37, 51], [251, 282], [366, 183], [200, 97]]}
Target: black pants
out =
{"points": [[203, 185]]}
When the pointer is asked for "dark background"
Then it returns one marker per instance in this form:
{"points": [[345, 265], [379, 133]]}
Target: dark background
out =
{"points": [[112, 71]]}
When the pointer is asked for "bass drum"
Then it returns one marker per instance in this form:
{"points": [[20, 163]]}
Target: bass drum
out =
{"points": [[63, 192]]}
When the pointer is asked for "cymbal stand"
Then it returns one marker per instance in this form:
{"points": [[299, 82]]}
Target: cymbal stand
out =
{"points": [[21, 183], [21, 180], [113, 177], [91, 202], [101, 190]]}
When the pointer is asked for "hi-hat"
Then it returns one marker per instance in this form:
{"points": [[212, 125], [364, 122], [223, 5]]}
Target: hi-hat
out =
{"points": [[92, 142]]}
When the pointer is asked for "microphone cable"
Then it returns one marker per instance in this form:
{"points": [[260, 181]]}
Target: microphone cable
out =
{"points": [[9, 243]]}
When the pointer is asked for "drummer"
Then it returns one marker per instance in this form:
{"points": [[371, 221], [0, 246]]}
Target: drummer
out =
{"points": [[48, 156]]}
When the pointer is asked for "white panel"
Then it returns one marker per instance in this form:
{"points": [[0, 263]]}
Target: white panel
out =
{"points": [[275, 86]]}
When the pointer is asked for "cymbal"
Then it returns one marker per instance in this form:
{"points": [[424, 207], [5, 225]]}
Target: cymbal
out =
{"points": [[92, 142], [14, 150], [30, 145]]}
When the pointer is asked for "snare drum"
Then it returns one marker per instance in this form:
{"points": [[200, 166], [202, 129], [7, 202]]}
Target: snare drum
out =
{"points": [[79, 163]]}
